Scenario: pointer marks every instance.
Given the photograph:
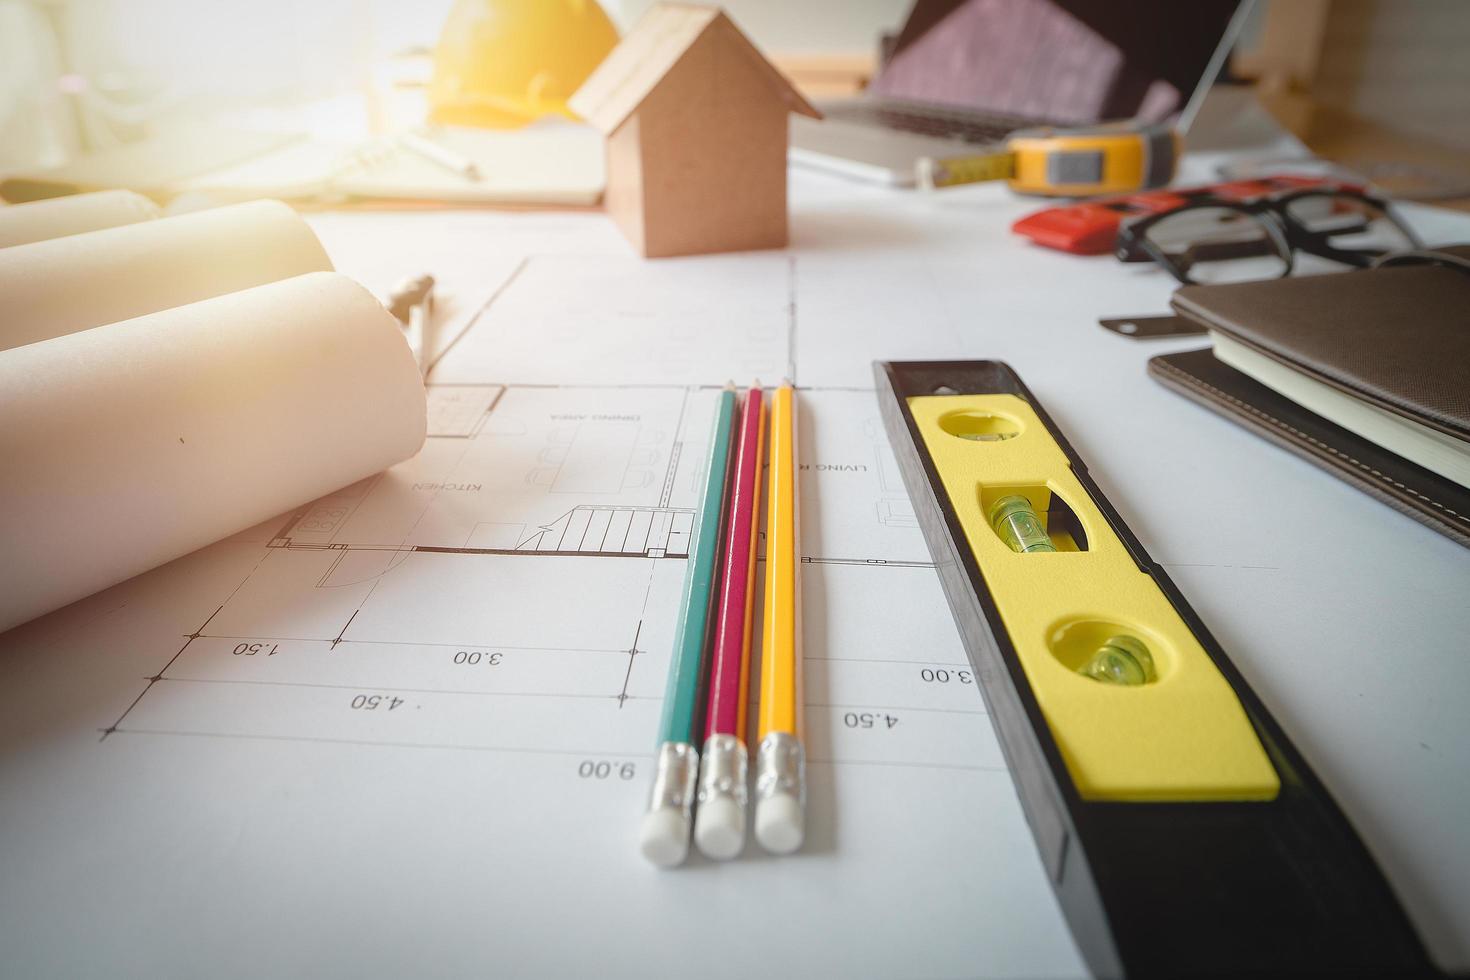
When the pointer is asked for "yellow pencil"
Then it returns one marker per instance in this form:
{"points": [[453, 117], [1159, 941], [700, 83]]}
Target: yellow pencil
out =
{"points": [[780, 770]]}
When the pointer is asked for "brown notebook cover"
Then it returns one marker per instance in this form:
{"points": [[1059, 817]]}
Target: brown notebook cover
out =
{"points": [[1397, 338]]}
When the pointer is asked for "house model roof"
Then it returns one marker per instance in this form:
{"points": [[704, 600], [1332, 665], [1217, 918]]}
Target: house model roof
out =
{"points": [[640, 61]]}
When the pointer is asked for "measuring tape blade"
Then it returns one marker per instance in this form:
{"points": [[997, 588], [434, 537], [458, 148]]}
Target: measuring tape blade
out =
{"points": [[948, 171]]}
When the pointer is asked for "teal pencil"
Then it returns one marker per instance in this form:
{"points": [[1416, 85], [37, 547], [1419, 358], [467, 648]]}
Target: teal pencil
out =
{"points": [[664, 835]]}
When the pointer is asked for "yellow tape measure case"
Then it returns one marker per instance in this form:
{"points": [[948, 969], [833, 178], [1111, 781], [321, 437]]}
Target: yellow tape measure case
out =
{"points": [[1115, 158]]}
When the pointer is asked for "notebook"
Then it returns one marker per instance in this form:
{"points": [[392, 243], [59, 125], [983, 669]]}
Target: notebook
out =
{"points": [[1362, 372], [1434, 450]]}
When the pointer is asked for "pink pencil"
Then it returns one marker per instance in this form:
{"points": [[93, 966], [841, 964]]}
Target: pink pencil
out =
{"points": [[719, 823]]}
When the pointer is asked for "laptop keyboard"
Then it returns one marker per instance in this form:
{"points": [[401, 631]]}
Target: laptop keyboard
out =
{"points": [[968, 127]]}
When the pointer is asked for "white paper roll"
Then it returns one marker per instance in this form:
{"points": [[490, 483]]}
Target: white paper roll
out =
{"points": [[126, 447], [37, 221], [57, 287]]}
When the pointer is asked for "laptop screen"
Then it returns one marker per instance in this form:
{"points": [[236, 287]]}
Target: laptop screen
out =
{"points": [[1064, 61]]}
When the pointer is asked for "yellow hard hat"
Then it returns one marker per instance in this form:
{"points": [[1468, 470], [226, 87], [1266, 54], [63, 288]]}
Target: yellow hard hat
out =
{"points": [[503, 63]]}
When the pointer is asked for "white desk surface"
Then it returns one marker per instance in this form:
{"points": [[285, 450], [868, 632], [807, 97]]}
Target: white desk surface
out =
{"points": [[1349, 620]]}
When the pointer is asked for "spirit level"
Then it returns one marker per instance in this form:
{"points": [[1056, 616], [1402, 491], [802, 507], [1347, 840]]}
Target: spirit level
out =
{"points": [[1182, 831]]}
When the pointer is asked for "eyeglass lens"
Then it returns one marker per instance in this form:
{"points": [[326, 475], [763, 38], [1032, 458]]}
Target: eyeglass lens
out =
{"points": [[1220, 244], [1349, 224]]}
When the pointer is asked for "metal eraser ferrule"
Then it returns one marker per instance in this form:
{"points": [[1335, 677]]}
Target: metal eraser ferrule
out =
{"points": [[723, 770], [780, 767], [676, 774]]}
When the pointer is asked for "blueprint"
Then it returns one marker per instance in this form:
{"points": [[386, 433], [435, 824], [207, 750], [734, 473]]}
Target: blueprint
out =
{"points": [[406, 728]]}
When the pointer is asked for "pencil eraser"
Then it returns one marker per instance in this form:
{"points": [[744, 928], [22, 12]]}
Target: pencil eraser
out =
{"points": [[719, 828], [779, 824], [664, 836]]}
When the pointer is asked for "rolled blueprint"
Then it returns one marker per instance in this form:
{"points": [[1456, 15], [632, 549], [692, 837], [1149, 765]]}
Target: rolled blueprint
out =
{"points": [[126, 447], [60, 286], [37, 221]]}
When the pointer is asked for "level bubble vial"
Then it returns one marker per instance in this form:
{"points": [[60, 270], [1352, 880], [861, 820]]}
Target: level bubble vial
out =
{"points": [[1115, 653], [1016, 523], [1121, 660], [980, 426]]}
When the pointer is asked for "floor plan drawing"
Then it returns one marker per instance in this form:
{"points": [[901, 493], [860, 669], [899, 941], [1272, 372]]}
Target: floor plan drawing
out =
{"points": [[407, 575], [528, 469], [491, 621], [405, 729], [654, 323]]}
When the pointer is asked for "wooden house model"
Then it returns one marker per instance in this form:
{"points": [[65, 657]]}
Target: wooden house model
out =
{"points": [[696, 127]]}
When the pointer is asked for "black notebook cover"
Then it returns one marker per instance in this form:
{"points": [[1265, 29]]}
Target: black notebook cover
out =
{"points": [[1408, 488]]}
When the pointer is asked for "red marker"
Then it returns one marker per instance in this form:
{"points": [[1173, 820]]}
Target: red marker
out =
{"points": [[719, 822]]}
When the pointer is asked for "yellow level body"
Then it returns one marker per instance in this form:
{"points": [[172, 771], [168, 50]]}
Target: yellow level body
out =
{"points": [[1181, 737]]}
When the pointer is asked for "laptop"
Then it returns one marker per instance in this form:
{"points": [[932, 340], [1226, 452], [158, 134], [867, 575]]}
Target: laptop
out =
{"points": [[964, 74]]}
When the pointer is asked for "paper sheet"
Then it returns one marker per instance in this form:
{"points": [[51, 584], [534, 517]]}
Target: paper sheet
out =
{"points": [[217, 415], [473, 645], [37, 221], [553, 161], [56, 287], [405, 729], [466, 273]]}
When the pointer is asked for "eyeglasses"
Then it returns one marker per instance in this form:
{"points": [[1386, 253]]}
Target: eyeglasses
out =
{"points": [[1211, 240], [1442, 258]]}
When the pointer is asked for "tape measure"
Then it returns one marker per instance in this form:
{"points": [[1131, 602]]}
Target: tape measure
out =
{"points": [[1108, 159]]}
